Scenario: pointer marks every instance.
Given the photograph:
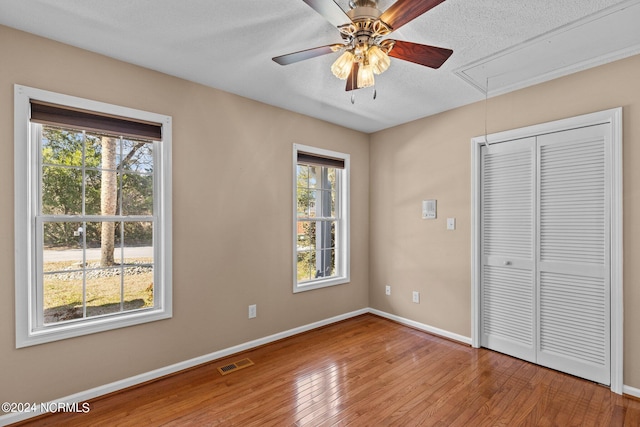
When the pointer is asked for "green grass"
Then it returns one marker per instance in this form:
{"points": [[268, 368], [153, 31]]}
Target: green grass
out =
{"points": [[63, 295]]}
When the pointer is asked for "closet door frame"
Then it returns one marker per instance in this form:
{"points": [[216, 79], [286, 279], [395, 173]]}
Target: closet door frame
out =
{"points": [[613, 117]]}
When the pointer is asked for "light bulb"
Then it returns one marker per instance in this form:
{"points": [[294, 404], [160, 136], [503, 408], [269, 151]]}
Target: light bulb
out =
{"points": [[342, 66], [378, 59], [365, 76]]}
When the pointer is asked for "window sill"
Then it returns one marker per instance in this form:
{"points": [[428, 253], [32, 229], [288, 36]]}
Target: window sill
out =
{"points": [[86, 327], [320, 283]]}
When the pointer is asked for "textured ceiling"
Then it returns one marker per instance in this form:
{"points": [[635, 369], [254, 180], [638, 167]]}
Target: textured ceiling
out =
{"points": [[229, 45]]}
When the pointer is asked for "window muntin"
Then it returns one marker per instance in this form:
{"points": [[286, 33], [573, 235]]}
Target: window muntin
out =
{"points": [[321, 218], [75, 186]]}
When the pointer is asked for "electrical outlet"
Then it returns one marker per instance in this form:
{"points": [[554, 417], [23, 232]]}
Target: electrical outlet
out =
{"points": [[416, 297], [252, 311], [387, 290]]}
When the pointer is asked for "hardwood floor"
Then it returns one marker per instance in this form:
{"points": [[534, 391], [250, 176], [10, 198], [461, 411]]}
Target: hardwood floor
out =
{"points": [[365, 371]]}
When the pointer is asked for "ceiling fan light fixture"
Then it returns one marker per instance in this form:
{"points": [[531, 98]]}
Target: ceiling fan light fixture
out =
{"points": [[365, 76], [342, 66], [378, 59], [365, 49]]}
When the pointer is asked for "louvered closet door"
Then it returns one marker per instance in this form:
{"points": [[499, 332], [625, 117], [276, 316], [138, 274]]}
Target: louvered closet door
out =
{"points": [[508, 251], [573, 253]]}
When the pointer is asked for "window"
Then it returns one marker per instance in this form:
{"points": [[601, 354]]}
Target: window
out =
{"points": [[93, 216], [321, 229]]}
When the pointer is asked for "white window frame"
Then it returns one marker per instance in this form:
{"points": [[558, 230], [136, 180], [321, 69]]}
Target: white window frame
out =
{"points": [[342, 256], [26, 185]]}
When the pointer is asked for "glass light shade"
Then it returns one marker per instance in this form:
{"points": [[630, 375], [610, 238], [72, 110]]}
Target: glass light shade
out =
{"points": [[342, 66], [365, 76], [378, 59]]}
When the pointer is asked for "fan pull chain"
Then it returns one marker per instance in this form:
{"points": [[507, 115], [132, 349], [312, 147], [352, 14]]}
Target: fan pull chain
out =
{"points": [[353, 85], [375, 93], [486, 100]]}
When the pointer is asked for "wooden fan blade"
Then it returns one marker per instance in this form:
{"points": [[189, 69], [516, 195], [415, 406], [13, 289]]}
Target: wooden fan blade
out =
{"points": [[429, 56], [290, 58], [404, 11], [330, 10], [352, 80]]}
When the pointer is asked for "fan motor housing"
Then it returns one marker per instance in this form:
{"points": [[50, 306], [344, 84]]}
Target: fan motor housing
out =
{"points": [[361, 13]]}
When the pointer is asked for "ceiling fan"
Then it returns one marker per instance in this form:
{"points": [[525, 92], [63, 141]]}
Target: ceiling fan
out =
{"points": [[365, 50]]}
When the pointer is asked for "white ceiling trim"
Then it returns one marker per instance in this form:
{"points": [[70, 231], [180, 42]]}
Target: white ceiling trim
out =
{"points": [[610, 34]]}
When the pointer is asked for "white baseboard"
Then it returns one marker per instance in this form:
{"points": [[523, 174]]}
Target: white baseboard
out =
{"points": [[431, 329], [631, 391], [83, 396], [158, 373]]}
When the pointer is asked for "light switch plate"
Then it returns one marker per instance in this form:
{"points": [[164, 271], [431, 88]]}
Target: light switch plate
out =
{"points": [[451, 223]]}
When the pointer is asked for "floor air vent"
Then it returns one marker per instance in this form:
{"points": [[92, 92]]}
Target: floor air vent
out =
{"points": [[235, 366]]}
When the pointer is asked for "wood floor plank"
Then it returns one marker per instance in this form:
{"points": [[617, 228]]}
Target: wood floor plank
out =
{"points": [[365, 371]]}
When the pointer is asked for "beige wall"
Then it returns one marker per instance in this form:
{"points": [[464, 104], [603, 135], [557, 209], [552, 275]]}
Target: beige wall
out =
{"points": [[232, 167], [430, 159], [232, 207]]}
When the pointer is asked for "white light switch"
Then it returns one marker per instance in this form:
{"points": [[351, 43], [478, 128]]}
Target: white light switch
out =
{"points": [[451, 223]]}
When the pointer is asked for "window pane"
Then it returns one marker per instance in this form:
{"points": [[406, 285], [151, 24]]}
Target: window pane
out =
{"points": [[138, 235], [93, 151], [313, 203], [304, 200], [94, 182], [61, 147], [333, 204], [62, 241], [103, 241], [61, 190], [302, 179], [303, 241], [137, 194], [92, 188], [325, 234], [306, 265], [138, 265], [307, 202], [138, 238], [306, 250], [62, 258], [138, 243], [323, 203], [136, 156], [331, 179], [109, 186], [63, 271], [332, 244], [325, 265], [138, 286], [314, 172], [62, 293], [104, 148], [103, 291], [306, 234]]}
